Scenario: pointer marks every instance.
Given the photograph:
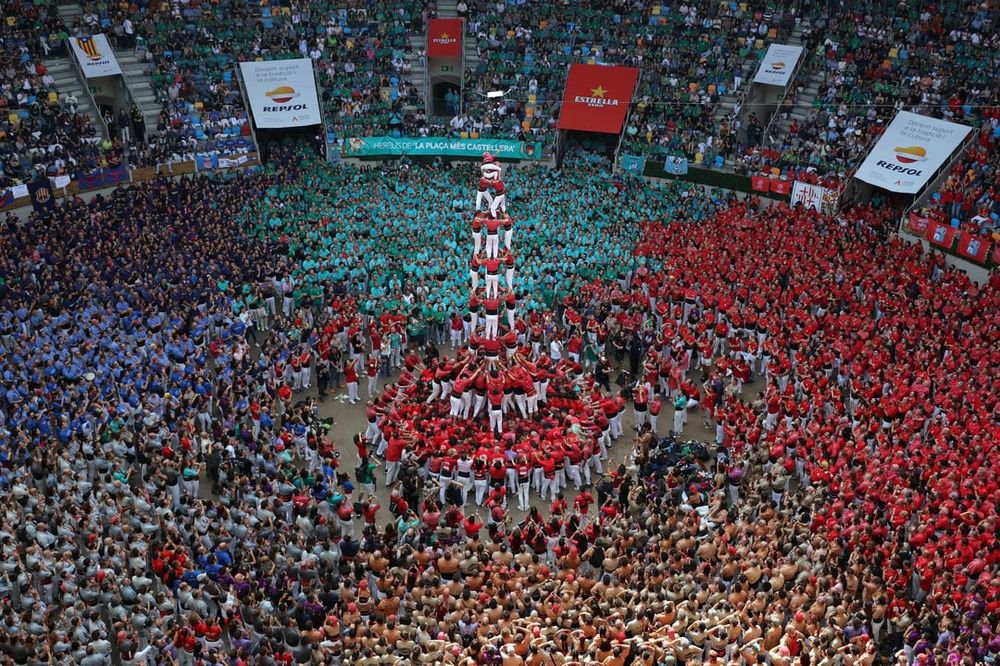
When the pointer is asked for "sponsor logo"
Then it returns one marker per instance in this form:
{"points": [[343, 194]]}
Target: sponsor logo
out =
{"points": [[89, 47], [895, 168], [444, 39], [777, 65], [282, 94], [910, 154], [597, 98]]}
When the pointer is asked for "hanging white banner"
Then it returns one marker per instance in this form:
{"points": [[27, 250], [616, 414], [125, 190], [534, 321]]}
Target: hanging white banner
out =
{"points": [[778, 64], [810, 196], [910, 151], [95, 56], [282, 93]]}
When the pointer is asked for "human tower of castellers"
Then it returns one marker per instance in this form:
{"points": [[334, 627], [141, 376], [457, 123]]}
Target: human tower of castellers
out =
{"points": [[501, 419]]}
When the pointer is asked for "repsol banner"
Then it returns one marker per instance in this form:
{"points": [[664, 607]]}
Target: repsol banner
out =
{"points": [[282, 93], [95, 55], [778, 64], [910, 151], [387, 146]]}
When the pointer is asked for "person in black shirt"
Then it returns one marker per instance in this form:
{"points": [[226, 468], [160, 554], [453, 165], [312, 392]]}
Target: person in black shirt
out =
{"points": [[350, 548], [634, 354], [322, 379], [618, 346], [605, 489], [602, 373], [596, 559], [172, 478], [16, 651], [213, 462]]}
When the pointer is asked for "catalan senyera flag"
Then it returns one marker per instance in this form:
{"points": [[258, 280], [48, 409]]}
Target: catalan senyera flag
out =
{"points": [[596, 97], [88, 46], [95, 55], [444, 38]]}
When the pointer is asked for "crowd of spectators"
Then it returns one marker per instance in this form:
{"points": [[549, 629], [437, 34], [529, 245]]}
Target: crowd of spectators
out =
{"points": [[362, 55], [40, 129], [970, 196], [359, 52], [703, 53], [192, 52], [173, 495], [117, 332], [690, 55], [366, 68], [869, 65]]}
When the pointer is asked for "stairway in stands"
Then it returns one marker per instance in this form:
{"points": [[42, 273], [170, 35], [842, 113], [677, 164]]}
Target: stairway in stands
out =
{"points": [[136, 72], [64, 74], [809, 88], [808, 84], [137, 75], [68, 13], [728, 101], [418, 71], [449, 9]]}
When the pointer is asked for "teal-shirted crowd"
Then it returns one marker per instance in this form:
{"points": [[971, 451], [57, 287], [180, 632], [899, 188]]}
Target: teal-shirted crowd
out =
{"points": [[401, 241]]}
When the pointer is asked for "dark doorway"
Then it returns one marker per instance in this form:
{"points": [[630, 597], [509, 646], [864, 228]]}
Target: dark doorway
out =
{"points": [[446, 100]]}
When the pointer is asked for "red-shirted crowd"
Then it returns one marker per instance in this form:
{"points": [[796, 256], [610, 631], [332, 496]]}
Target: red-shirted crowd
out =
{"points": [[874, 429]]}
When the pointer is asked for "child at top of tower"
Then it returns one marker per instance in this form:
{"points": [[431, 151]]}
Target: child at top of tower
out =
{"points": [[491, 189]]}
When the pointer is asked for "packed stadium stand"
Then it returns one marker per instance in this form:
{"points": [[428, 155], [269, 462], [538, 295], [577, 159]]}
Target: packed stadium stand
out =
{"points": [[429, 406]]}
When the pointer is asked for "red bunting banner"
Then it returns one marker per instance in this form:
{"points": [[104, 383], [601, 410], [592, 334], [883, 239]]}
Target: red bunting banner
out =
{"points": [[781, 187], [596, 98], [918, 224], [759, 183], [444, 38], [942, 235], [974, 247]]}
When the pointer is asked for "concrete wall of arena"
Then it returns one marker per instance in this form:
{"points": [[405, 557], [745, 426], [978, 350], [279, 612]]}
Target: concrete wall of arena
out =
{"points": [[442, 71], [109, 91], [136, 175], [713, 178], [764, 101]]}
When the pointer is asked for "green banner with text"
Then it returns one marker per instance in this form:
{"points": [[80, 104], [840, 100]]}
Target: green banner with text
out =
{"points": [[380, 146]]}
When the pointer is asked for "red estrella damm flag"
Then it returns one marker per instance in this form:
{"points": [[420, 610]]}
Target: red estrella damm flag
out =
{"points": [[596, 98], [444, 38]]}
